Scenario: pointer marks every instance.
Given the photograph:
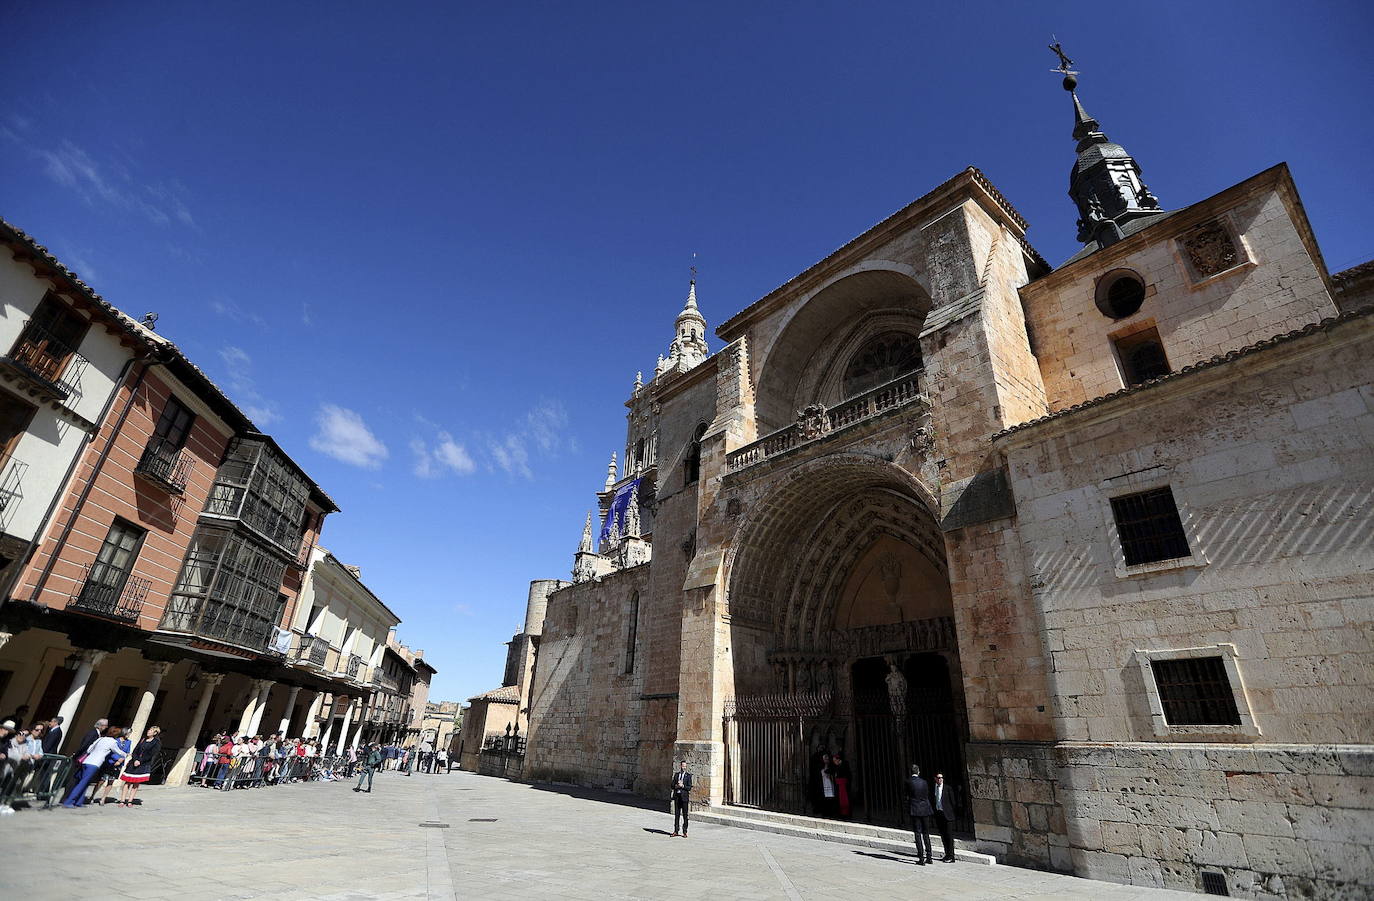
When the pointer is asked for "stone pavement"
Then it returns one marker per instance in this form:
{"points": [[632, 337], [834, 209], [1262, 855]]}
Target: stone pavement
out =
{"points": [[323, 841]]}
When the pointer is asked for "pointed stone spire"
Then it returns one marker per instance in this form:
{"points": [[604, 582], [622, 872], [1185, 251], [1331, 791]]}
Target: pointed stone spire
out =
{"points": [[1105, 182], [585, 545], [610, 474], [689, 344]]}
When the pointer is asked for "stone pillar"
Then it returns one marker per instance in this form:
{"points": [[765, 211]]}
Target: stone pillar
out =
{"points": [[261, 707], [290, 708], [362, 724], [311, 727], [89, 661], [348, 720], [160, 668], [256, 693], [180, 773]]}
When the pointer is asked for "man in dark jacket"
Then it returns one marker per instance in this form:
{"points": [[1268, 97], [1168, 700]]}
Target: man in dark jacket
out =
{"points": [[918, 797], [681, 796], [370, 764], [52, 739], [943, 804]]}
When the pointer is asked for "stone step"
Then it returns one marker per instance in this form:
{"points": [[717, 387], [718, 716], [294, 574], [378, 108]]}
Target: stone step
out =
{"points": [[860, 834]]}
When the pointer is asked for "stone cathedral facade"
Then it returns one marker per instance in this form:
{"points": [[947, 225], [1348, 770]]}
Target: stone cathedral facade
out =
{"points": [[1095, 541]]}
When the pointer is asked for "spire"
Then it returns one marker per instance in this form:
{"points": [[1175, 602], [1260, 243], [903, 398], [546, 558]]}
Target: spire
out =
{"points": [[689, 342], [610, 474], [1105, 182], [585, 545]]}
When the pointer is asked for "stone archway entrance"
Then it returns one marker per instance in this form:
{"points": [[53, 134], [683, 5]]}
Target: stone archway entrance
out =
{"points": [[843, 641]]}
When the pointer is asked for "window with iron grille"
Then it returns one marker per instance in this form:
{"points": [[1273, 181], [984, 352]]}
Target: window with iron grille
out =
{"points": [[1195, 691], [1142, 357], [1149, 526]]}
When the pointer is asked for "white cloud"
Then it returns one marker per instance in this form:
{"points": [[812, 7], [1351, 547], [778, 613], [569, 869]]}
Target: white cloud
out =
{"points": [[344, 436], [511, 455], [239, 380], [446, 454], [544, 425], [72, 167]]}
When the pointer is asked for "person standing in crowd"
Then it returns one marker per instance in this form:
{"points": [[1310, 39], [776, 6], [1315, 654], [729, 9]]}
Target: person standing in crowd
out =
{"points": [[52, 737], [208, 761], [101, 751], [84, 745], [840, 772], [827, 790], [105, 779], [442, 758], [681, 796], [140, 766], [918, 801], [944, 815], [224, 754], [370, 764], [18, 716]]}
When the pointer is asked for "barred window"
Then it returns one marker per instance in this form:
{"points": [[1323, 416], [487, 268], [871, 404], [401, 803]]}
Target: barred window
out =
{"points": [[1149, 526], [1195, 691], [1142, 357]]}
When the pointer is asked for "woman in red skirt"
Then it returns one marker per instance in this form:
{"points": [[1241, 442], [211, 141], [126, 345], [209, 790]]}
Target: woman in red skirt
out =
{"points": [[140, 766]]}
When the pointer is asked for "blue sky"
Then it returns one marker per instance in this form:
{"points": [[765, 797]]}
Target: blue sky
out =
{"points": [[427, 246]]}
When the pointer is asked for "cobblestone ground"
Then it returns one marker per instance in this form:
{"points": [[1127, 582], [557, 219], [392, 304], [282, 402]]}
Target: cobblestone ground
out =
{"points": [[323, 841]]}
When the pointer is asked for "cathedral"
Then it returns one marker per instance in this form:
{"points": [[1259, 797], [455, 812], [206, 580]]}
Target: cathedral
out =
{"points": [[1094, 541]]}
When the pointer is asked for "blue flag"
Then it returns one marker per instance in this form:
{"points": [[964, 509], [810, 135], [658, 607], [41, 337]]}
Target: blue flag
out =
{"points": [[619, 504]]}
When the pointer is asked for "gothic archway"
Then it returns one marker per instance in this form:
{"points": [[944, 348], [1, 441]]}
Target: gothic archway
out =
{"points": [[838, 589]]}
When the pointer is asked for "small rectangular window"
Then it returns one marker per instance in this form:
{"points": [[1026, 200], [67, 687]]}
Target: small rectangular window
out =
{"points": [[1142, 357], [116, 558], [1195, 691], [1149, 527]]}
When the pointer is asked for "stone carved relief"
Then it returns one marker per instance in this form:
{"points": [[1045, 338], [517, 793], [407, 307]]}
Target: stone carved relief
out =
{"points": [[811, 421], [1210, 249], [923, 440]]}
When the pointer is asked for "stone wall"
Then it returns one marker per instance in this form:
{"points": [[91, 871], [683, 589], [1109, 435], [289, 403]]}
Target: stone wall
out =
{"points": [[587, 712], [1275, 820]]}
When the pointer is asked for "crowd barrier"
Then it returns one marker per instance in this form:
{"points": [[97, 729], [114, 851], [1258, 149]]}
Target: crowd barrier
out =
{"points": [[255, 772], [38, 783]]}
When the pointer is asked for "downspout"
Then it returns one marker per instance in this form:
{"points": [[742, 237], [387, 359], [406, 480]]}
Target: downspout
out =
{"points": [[62, 486], [90, 482]]}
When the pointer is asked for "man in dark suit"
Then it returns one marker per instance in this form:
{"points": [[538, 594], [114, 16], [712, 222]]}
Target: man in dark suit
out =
{"points": [[944, 815], [681, 796], [918, 799], [52, 739]]}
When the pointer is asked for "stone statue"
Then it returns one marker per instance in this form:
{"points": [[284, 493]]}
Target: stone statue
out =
{"points": [[896, 689]]}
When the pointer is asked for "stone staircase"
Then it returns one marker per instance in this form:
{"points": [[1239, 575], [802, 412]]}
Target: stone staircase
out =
{"points": [[879, 838]]}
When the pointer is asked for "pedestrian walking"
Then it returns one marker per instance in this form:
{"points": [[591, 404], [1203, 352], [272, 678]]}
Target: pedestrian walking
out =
{"points": [[681, 797], [918, 800], [945, 812], [370, 764], [140, 768]]}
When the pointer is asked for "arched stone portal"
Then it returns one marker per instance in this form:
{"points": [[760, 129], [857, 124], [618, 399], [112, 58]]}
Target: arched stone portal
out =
{"points": [[842, 640]]}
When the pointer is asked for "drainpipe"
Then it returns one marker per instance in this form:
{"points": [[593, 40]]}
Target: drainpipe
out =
{"points": [[62, 486], [90, 482]]}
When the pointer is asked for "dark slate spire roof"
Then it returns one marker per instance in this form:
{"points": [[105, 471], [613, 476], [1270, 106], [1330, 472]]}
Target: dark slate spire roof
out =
{"points": [[1105, 181]]}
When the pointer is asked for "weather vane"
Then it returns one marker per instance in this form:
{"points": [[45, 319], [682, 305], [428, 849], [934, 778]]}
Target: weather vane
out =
{"points": [[693, 267], [1064, 61]]}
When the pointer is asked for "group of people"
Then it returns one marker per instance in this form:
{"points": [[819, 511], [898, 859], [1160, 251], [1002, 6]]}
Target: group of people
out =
{"points": [[107, 754], [830, 786], [247, 761]]}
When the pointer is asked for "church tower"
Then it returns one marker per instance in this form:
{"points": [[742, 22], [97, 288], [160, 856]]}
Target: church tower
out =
{"points": [[1105, 182], [689, 344]]}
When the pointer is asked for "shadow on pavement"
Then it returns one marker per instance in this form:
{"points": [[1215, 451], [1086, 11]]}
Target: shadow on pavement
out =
{"points": [[624, 799]]}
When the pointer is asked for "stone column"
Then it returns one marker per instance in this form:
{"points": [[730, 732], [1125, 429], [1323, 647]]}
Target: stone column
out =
{"points": [[264, 687], [255, 694], [160, 668], [89, 661], [180, 773], [362, 724], [290, 708], [348, 720]]}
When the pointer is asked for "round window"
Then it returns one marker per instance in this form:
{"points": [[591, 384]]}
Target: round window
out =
{"points": [[1120, 293]]}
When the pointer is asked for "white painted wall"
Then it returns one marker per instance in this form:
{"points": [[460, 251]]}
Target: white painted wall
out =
{"points": [[51, 443], [351, 620]]}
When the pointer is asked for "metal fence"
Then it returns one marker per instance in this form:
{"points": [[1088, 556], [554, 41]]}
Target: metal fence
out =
{"points": [[255, 772], [35, 783]]}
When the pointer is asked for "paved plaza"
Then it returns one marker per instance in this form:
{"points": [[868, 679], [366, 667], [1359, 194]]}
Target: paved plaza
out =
{"points": [[323, 841]]}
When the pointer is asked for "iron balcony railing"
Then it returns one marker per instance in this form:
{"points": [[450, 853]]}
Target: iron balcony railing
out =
{"points": [[817, 422], [213, 618], [166, 464], [41, 358], [355, 663], [111, 593], [313, 649], [11, 485], [383, 679]]}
